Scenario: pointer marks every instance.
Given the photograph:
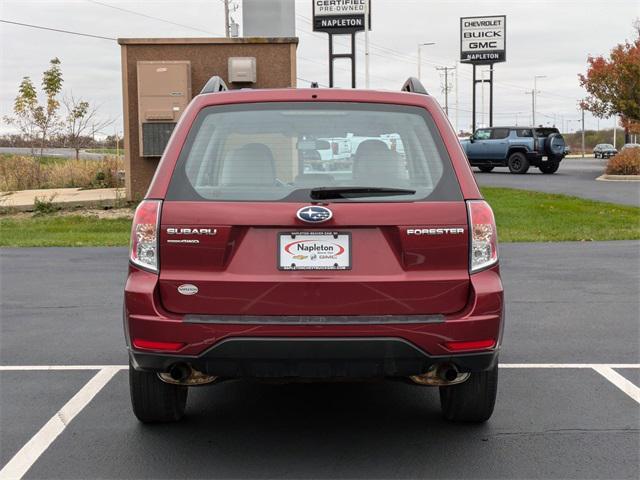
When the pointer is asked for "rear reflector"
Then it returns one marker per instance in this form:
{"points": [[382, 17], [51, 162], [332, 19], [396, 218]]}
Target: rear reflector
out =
{"points": [[153, 345], [484, 236], [476, 345], [144, 235]]}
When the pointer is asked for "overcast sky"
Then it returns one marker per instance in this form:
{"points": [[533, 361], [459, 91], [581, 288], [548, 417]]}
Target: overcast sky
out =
{"points": [[544, 37]]}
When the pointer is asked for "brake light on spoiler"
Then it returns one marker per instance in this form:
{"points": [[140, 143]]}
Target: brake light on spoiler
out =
{"points": [[145, 232], [484, 236]]}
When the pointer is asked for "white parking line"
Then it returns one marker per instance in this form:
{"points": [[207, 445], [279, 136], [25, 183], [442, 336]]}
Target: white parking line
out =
{"points": [[569, 365], [10, 368], [34, 448], [502, 365], [619, 381], [31, 451]]}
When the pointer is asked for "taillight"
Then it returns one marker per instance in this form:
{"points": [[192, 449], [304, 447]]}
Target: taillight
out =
{"points": [[484, 237], [154, 345], [145, 235], [335, 148], [473, 345]]}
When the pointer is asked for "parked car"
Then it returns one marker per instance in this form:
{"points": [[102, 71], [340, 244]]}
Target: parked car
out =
{"points": [[604, 150], [517, 148], [246, 265], [627, 146], [337, 155]]}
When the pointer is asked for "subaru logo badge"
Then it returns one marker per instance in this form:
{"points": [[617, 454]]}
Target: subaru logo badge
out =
{"points": [[314, 214]]}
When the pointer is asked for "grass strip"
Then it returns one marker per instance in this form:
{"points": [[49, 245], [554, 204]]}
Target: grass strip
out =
{"points": [[522, 216]]}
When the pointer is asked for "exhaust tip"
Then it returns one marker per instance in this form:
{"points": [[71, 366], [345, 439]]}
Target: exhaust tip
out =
{"points": [[448, 373], [442, 374], [185, 375], [180, 372]]}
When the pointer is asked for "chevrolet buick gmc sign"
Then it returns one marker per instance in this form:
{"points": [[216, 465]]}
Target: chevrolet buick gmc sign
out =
{"points": [[482, 39], [340, 16]]}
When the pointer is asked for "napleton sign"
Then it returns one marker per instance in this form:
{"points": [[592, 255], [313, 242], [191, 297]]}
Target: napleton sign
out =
{"points": [[340, 16], [482, 39]]}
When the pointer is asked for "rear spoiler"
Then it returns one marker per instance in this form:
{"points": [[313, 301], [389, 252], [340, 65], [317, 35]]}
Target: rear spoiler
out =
{"points": [[413, 85]]}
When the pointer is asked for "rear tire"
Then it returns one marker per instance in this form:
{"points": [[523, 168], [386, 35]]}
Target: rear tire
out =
{"points": [[486, 168], [549, 167], [473, 400], [154, 401], [518, 163]]}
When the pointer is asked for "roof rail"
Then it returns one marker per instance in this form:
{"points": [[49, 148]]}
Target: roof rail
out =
{"points": [[215, 84], [413, 85]]}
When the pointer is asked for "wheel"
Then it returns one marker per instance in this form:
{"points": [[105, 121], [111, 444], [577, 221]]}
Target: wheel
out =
{"points": [[549, 167], [485, 168], [595, 155], [473, 400], [518, 163], [154, 401]]}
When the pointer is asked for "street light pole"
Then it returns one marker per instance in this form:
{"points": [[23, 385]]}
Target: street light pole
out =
{"points": [[482, 97], [420, 45], [534, 95], [366, 44], [227, 32], [457, 103], [582, 132]]}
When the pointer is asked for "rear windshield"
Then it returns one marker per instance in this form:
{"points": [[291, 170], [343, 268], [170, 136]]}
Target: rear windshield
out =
{"points": [[282, 151], [545, 132]]}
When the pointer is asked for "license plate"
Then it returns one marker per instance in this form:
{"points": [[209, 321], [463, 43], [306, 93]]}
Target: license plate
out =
{"points": [[314, 251]]}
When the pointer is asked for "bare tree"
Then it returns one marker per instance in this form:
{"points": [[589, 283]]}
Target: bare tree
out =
{"points": [[81, 122]]}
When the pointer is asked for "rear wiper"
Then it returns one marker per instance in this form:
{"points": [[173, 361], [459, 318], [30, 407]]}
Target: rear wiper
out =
{"points": [[322, 193]]}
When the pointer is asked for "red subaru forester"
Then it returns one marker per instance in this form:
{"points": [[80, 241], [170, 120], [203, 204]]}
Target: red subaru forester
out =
{"points": [[310, 234]]}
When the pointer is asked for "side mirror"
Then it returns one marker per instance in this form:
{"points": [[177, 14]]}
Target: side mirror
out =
{"points": [[472, 139]]}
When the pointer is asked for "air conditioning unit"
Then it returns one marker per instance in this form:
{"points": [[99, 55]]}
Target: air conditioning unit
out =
{"points": [[164, 91], [242, 69]]}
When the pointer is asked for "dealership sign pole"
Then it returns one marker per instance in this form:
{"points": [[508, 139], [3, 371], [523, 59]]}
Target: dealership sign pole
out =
{"points": [[483, 42], [342, 17]]}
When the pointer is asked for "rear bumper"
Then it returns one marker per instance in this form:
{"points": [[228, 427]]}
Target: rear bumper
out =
{"points": [[536, 158], [362, 346], [313, 358]]}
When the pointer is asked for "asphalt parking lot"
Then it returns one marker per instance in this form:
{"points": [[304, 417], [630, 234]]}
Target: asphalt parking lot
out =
{"points": [[568, 404], [576, 176]]}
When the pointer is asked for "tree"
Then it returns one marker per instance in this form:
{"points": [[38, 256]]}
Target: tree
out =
{"points": [[81, 120], [613, 84], [35, 121]]}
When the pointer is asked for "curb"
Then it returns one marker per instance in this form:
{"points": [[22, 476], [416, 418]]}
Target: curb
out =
{"points": [[64, 205], [619, 178]]}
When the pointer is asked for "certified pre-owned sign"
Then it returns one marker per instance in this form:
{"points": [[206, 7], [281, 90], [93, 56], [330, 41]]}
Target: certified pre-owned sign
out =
{"points": [[340, 16], [482, 39]]}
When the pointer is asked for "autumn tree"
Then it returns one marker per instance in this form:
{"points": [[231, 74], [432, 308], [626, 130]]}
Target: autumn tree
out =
{"points": [[37, 122], [613, 84], [80, 122]]}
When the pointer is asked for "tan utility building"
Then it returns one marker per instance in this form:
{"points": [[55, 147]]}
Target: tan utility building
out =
{"points": [[161, 75]]}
